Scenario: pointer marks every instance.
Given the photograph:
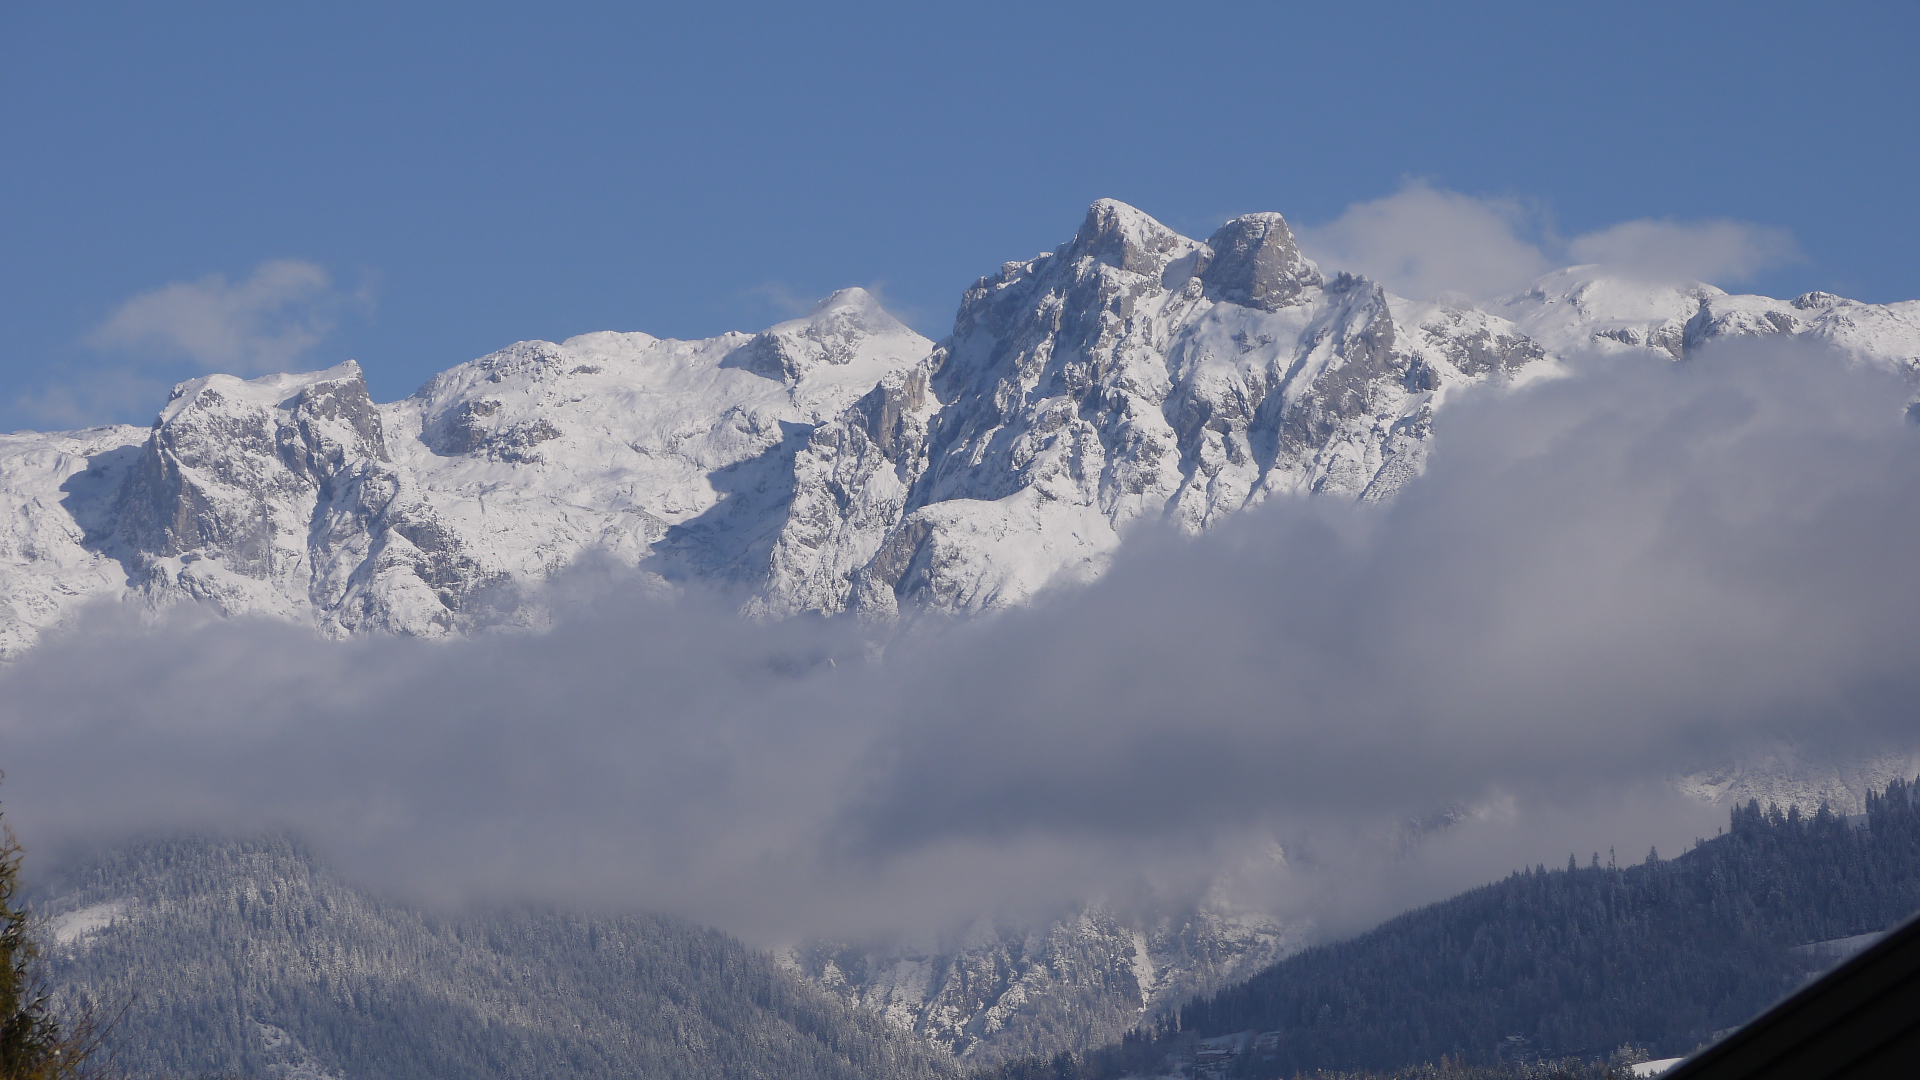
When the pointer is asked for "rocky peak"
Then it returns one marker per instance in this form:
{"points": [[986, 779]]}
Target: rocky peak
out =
{"points": [[1256, 264], [1124, 238]]}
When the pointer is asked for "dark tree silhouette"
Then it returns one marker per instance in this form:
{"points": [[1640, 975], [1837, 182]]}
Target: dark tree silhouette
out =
{"points": [[33, 1043]]}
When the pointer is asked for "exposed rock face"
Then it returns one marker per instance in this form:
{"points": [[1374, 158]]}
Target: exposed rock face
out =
{"points": [[842, 463], [1256, 264], [278, 496], [1132, 374]]}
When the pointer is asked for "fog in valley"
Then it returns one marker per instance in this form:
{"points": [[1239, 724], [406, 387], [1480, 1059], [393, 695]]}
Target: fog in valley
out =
{"points": [[1603, 581]]}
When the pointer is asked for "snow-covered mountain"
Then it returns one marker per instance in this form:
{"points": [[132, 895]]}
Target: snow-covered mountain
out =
{"points": [[1131, 374], [298, 496], [838, 462]]}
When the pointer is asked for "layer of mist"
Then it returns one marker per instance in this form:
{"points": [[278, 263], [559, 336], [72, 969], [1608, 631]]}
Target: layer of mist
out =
{"points": [[1602, 581]]}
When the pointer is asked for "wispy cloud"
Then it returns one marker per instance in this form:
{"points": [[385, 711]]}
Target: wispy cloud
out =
{"points": [[263, 323], [1425, 242], [269, 321], [785, 301]]}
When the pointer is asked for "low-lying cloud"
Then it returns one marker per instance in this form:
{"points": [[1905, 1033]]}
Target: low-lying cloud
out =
{"points": [[1425, 242], [1601, 581]]}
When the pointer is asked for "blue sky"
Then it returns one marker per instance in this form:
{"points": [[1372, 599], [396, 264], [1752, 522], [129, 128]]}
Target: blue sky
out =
{"points": [[415, 185]]}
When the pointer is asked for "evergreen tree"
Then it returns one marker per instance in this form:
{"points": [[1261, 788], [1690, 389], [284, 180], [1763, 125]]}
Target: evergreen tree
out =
{"points": [[32, 1044]]}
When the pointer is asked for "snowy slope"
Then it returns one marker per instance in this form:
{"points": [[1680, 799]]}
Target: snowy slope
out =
{"points": [[56, 501], [842, 463], [1583, 308]]}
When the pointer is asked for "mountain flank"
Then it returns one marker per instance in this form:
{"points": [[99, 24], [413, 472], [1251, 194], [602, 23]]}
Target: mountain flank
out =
{"points": [[1575, 961], [250, 958]]}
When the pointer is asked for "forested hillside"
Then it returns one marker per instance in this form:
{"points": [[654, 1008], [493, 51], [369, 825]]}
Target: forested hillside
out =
{"points": [[1572, 961], [252, 959]]}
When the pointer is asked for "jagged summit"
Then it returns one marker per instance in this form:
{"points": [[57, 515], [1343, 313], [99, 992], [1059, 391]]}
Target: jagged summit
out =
{"points": [[1125, 239], [1132, 374], [267, 389], [840, 463], [833, 462], [1251, 260], [298, 496]]}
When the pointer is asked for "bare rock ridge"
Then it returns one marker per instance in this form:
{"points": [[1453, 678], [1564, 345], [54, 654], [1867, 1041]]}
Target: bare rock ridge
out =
{"points": [[838, 462]]}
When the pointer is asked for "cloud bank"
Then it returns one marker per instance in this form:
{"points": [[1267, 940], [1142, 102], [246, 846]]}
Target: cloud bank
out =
{"points": [[1425, 242], [1601, 581]]}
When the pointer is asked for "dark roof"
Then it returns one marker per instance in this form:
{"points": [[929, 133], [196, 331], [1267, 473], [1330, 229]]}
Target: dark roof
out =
{"points": [[1860, 1021]]}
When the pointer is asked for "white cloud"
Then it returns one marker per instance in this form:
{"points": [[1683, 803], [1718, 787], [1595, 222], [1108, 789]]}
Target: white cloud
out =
{"points": [[1424, 242], [263, 323], [1718, 251]]}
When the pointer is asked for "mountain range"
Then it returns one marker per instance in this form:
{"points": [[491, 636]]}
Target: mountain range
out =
{"points": [[834, 463]]}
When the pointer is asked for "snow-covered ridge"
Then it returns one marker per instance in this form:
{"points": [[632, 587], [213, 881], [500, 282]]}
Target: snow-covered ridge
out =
{"points": [[297, 496], [1584, 308], [838, 462]]}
